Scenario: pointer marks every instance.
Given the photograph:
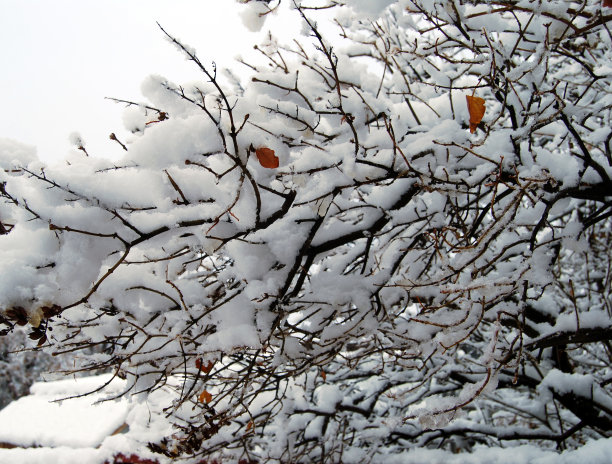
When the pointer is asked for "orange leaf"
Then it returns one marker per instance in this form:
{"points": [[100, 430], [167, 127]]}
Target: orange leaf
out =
{"points": [[202, 367], [267, 158], [323, 375], [347, 117], [476, 107], [249, 426], [205, 396]]}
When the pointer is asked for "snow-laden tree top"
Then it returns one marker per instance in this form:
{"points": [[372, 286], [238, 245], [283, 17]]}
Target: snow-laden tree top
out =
{"points": [[397, 235]]}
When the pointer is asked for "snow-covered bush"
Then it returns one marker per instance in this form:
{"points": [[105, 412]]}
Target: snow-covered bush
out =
{"points": [[397, 236], [19, 367]]}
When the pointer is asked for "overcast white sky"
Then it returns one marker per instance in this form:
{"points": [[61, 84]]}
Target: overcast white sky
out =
{"points": [[61, 58]]}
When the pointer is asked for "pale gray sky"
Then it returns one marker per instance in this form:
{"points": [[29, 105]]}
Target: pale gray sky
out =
{"points": [[61, 58]]}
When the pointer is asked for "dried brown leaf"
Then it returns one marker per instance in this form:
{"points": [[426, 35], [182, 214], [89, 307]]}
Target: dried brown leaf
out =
{"points": [[476, 108], [267, 158], [205, 397]]}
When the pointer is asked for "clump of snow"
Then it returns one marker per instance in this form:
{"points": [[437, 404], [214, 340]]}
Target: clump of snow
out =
{"points": [[561, 382], [254, 16], [76, 139], [14, 153]]}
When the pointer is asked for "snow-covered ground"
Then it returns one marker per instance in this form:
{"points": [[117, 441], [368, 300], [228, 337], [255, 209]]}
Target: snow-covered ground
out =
{"points": [[81, 430]]}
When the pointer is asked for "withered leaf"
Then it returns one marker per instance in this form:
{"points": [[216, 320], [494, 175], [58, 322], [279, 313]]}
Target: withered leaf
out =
{"points": [[476, 108], [205, 397], [204, 368], [267, 158], [36, 334], [50, 310], [18, 315]]}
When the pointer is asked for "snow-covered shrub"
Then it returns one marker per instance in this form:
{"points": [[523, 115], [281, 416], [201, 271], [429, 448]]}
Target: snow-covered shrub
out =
{"points": [[397, 237], [20, 367]]}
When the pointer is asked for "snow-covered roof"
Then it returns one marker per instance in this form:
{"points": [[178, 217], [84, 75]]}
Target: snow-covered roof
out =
{"points": [[55, 425], [40, 420]]}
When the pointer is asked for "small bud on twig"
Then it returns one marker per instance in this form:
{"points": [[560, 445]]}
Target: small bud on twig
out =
{"points": [[112, 136]]}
